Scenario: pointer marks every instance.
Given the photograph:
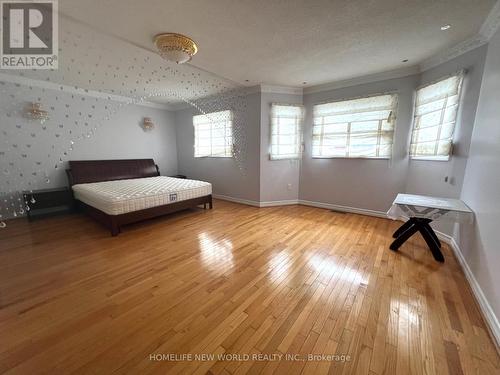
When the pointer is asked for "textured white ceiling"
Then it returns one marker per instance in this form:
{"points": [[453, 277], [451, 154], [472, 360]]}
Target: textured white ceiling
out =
{"points": [[287, 42], [91, 60]]}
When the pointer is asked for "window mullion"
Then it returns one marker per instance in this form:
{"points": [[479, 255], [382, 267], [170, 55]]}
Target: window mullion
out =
{"points": [[322, 134], [211, 139], [379, 136], [278, 138], [438, 136], [348, 141]]}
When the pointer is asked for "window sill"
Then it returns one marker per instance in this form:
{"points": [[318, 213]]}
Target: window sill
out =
{"points": [[430, 158], [351, 157], [278, 159], [214, 157]]}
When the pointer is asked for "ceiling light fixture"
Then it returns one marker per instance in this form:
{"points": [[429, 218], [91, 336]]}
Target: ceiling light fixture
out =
{"points": [[445, 27], [175, 47]]}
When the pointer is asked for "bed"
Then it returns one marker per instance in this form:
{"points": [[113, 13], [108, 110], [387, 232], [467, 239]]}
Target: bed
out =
{"points": [[120, 192]]}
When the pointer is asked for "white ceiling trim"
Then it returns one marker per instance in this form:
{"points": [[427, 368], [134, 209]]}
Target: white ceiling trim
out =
{"points": [[492, 22], [392, 74], [281, 89], [453, 52], [488, 29], [78, 91]]}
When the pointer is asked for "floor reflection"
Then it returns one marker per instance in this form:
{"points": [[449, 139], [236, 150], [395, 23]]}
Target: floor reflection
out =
{"points": [[407, 311], [216, 254], [278, 266], [328, 267]]}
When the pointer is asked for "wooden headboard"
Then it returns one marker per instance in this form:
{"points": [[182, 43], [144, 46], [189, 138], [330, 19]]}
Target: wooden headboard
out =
{"points": [[85, 171]]}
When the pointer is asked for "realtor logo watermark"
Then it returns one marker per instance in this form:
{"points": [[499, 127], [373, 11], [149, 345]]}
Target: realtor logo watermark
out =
{"points": [[29, 34]]}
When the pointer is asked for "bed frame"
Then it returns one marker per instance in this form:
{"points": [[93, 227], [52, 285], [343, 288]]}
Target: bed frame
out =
{"points": [[86, 171]]}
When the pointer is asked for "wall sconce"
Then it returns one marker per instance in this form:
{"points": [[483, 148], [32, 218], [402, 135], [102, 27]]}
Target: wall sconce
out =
{"points": [[35, 112], [147, 124]]}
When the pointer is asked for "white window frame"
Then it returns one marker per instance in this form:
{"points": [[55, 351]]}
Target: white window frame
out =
{"points": [[417, 116], [276, 131], [391, 119], [220, 119]]}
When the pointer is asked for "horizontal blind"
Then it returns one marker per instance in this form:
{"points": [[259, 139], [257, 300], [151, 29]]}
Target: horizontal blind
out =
{"points": [[286, 131], [356, 128], [213, 134], [436, 108]]}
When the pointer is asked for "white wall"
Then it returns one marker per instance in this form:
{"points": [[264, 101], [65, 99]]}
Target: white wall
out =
{"points": [[279, 179], [36, 147], [357, 183], [233, 177], [360, 183], [123, 138], [428, 177], [480, 242], [373, 184]]}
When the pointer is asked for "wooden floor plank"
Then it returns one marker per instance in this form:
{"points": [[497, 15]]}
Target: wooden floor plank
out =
{"points": [[254, 290]]}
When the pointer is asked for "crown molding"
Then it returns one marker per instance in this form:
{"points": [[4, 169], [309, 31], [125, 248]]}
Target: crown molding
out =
{"points": [[488, 29], [382, 76], [271, 89], [492, 22], [25, 81], [453, 52]]}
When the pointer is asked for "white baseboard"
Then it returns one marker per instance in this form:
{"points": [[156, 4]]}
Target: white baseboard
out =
{"points": [[487, 311], [279, 203], [256, 203], [336, 207], [237, 200]]}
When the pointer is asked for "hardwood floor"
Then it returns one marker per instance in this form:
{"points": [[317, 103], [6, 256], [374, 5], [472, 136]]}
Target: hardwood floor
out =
{"points": [[234, 280]]}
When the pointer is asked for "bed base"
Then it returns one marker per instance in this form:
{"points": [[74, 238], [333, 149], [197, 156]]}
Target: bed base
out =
{"points": [[86, 171], [115, 222]]}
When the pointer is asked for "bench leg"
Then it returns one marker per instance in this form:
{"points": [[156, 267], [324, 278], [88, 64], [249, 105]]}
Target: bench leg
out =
{"points": [[413, 226], [430, 238], [402, 228], [404, 236]]}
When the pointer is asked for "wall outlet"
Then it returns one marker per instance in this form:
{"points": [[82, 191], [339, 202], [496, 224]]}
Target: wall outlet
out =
{"points": [[289, 186]]}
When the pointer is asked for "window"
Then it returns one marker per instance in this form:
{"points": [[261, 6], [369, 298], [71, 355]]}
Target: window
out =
{"points": [[357, 128], [286, 130], [213, 135], [436, 108]]}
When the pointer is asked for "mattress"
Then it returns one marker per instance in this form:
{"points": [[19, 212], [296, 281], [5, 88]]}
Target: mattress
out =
{"points": [[122, 196]]}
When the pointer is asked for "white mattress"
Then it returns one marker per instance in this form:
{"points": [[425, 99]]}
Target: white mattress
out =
{"points": [[122, 196]]}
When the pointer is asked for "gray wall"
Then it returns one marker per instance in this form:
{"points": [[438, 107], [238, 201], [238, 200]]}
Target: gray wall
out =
{"points": [[428, 177], [38, 147], [279, 179], [235, 177], [122, 137], [360, 183], [373, 184], [479, 242]]}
